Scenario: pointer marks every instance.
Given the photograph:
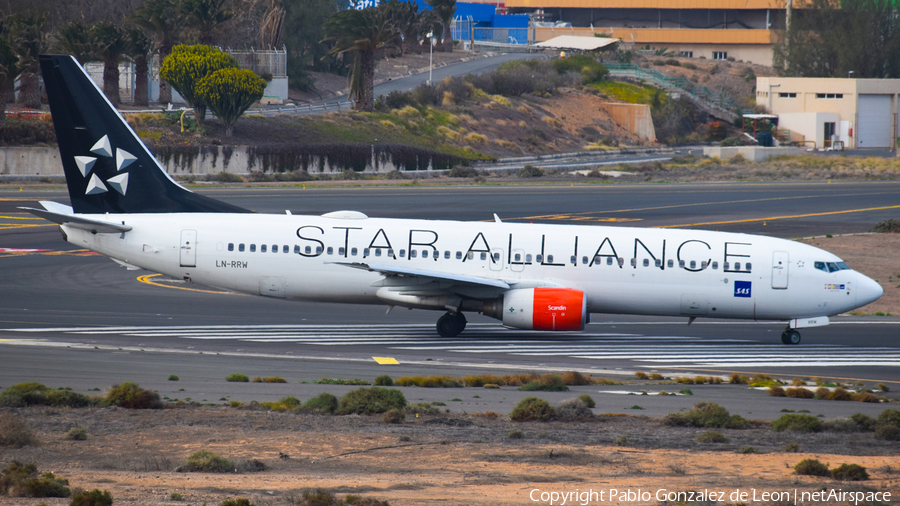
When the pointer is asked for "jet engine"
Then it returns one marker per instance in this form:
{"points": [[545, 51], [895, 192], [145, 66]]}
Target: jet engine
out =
{"points": [[540, 309]]}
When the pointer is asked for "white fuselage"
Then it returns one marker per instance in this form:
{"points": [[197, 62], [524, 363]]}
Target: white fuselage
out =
{"points": [[621, 270]]}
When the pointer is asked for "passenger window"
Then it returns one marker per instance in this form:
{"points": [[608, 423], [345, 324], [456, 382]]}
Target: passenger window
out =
{"points": [[378, 252], [496, 257], [528, 258], [747, 267], [539, 258], [725, 266], [703, 264], [252, 248], [353, 251], [470, 255], [573, 259], [231, 246], [307, 250], [737, 266], [413, 253], [390, 252], [671, 263], [621, 261], [550, 259], [436, 254], [584, 260], [483, 255], [297, 249], [365, 252], [262, 248], [693, 264], [285, 248], [330, 250], [459, 255], [715, 265], [424, 253], [403, 253], [447, 255], [341, 251], [634, 262], [647, 262], [274, 248], [241, 247], [658, 263], [681, 264], [609, 261], [318, 250]]}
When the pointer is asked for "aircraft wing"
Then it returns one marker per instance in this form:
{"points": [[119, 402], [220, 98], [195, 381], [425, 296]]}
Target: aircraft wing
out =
{"points": [[58, 213], [391, 270]]}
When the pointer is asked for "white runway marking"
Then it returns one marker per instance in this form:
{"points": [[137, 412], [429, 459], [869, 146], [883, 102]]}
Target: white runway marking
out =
{"points": [[650, 350]]}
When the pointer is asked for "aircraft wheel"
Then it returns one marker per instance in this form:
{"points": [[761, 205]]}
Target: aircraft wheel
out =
{"points": [[450, 325], [790, 336]]}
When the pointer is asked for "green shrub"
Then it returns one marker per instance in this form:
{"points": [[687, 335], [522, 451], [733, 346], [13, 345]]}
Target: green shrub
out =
{"points": [[530, 171], [676, 420], [225, 177], [423, 408], [641, 375], [546, 383], [866, 423], [77, 434], [95, 497], [323, 403], [384, 381], [888, 433], [737, 422], [26, 129], [270, 379], [429, 382], [748, 449], [776, 391], [130, 396], [370, 401], [20, 480], [588, 401], [797, 423], [284, 404], [889, 417], [839, 394], [173, 377], [811, 467], [799, 393], [850, 472], [176, 496], [240, 501], [462, 171], [712, 436], [206, 462], [532, 409], [36, 394], [396, 415], [575, 378], [573, 409], [238, 378], [708, 414], [336, 381], [14, 432], [792, 447], [317, 497], [515, 434]]}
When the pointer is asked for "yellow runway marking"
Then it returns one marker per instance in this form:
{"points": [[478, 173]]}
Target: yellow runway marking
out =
{"points": [[386, 361], [146, 279], [23, 217], [770, 218]]}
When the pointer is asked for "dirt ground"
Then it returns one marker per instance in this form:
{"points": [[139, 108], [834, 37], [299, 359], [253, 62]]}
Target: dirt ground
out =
{"points": [[469, 460]]}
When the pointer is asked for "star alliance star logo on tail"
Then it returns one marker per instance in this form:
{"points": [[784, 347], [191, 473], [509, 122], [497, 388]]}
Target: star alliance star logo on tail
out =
{"points": [[119, 182]]}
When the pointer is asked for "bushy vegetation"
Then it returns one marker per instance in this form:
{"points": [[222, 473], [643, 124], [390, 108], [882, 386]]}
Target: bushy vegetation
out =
{"points": [[324, 404], [238, 378], [23, 129], [706, 414], [588, 401], [797, 423], [384, 381], [395, 415], [370, 401], [23, 480], [532, 409], [429, 382], [288, 403], [573, 409], [240, 501], [207, 462], [811, 467], [336, 381], [77, 434], [546, 383], [269, 379], [94, 497], [36, 394], [323, 497], [130, 396], [14, 432], [712, 436], [850, 472]]}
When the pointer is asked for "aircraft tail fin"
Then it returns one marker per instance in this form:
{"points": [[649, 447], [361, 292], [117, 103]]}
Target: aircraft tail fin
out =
{"points": [[108, 169]]}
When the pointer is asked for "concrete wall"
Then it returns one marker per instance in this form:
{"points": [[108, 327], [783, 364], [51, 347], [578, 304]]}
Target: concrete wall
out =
{"points": [[634, 117], [30, 162], [751, 153], [811, 125]]}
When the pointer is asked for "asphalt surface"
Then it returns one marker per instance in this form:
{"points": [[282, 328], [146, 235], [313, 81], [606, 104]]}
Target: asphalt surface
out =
{"points": [[72, 318]]}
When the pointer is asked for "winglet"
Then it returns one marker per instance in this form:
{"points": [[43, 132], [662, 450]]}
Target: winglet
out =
{"points": [[497, 218]]}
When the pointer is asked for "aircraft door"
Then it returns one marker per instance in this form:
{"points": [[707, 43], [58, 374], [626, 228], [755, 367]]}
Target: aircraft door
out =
{"points": [[517, 263], [497, 261], [780, 261], [188, 248]]}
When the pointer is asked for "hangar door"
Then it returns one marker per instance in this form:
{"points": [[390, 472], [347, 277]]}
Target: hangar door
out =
{"points": [[875, 115]]}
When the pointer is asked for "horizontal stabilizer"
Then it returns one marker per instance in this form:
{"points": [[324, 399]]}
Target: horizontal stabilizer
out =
{"points": [[72, 220], [438, 275]]}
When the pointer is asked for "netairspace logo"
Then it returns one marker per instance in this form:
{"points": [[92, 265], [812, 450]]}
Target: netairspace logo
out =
{"points": [[795, 496], [363, 4]]}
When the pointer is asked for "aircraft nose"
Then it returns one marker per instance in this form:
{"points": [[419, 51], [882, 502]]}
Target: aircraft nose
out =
{"points": [[867, 290]]}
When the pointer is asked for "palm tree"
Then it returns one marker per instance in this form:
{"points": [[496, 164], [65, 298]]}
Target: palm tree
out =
{"points": [[112, 43], [30, 40], [139, 48], [76, 39], [204, 16], [445, 9], [361, 33], [161, 19]]}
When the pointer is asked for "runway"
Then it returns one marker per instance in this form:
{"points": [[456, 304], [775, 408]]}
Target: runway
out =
{"points": [[55, 296]]}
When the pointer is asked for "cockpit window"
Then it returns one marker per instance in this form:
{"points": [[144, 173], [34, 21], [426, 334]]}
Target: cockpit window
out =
{"points": [[831, 266], [842, 266]]}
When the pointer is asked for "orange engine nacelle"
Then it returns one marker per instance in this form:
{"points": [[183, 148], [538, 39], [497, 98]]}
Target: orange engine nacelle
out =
{"points": [[545, 309]]}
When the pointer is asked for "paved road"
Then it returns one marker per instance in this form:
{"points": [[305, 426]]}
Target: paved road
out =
{"points": [[60, 303]]}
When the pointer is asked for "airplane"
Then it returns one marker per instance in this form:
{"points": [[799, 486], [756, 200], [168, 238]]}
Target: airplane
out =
{"points": [[529, 276]]}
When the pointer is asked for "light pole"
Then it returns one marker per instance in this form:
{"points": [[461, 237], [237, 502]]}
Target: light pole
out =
{"points": [[430, 55]]}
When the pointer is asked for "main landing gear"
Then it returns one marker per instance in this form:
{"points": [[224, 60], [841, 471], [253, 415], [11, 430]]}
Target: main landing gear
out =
{"points": [[451, 324], [790, 336]]}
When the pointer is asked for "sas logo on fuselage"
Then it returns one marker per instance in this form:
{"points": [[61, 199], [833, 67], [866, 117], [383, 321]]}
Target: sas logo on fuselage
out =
{"points": [[556, 308], [742, 289]]}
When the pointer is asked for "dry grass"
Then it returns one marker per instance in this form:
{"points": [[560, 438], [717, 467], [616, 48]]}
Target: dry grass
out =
{"points": [[14, 432]]}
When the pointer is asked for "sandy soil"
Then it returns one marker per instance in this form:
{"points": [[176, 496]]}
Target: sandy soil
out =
{"points": [[133, 454]]}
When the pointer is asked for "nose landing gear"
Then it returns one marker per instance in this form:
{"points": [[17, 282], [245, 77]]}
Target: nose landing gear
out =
{"points": [[451, 324], [790, 336]]}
